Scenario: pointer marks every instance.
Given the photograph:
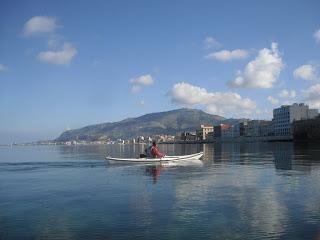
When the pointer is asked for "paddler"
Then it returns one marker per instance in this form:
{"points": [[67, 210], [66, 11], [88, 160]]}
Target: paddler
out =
{"points": [[153, 152]]}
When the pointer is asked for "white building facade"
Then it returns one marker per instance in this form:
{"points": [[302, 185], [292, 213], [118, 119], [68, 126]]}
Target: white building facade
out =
{"points": [[284, 116], [204, 131]]}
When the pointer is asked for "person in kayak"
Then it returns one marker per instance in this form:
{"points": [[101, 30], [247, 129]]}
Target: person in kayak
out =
{"points": [[153, 152]]}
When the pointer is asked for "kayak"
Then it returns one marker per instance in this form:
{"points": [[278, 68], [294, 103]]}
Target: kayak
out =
{"points": [[195, 156]]}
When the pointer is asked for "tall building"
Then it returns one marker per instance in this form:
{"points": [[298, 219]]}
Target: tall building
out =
{"points": [[203, 131], [284, 116]]}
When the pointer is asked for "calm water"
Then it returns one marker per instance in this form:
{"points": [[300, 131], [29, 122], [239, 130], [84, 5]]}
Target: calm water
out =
{"points": [[238, 191]]}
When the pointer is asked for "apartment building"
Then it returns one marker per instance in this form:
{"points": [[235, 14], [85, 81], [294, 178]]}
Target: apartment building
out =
{"points": [[284, 116]]}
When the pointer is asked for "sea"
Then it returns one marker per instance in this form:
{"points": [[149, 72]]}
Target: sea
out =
{"points": [[237, 191]]}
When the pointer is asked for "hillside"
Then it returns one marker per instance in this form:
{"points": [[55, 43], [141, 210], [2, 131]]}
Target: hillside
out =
{"points": [[170, 122]]}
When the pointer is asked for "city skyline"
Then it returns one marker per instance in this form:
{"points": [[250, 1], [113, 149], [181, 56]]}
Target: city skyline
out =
{"points": [[115, 60]]}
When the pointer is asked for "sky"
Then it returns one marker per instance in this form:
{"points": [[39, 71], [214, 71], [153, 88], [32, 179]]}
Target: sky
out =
{"points": [[68, 64]]}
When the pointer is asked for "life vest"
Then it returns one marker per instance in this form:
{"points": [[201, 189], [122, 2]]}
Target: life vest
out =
{"points": [[149, 152]]}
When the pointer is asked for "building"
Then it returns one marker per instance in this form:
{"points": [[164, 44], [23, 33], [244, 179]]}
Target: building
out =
{"points": [[203, 132], [305, 130], [140, 139], [240, 129], [284, 116], [227, 132], [210, 135], [266, 129], [217, 130], [258, 128], [188, 136]]}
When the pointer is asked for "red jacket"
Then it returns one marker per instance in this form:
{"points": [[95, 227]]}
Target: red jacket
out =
{"points": [[156, 152]]}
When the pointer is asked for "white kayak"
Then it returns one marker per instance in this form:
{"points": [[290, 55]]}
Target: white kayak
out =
{"points": [[195, 156]]}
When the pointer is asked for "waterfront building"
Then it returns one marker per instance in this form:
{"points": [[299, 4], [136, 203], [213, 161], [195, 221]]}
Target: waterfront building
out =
{"points": [[240, 129], [170, 138], [267, 129], [204, 131], [188, 136], [227, 132], [140, 139], [308, 129], [258, 128], [217, 130], [284, 116], [210, 136]]}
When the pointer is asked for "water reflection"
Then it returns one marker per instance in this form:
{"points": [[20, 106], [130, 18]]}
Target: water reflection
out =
{"points": [[154, 171], [241, 191], [284, 155]]}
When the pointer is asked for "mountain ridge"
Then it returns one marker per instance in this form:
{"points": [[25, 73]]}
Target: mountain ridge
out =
{"points": [[168, 122]]}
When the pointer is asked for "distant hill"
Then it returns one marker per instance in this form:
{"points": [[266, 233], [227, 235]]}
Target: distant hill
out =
{"points": [[170, 122]]}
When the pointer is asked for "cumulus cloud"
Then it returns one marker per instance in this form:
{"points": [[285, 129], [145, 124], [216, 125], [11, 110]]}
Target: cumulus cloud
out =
{"points": [[307, 72], [62, 57], [262, 72], [139, 82], [312, 96], [58, 53], [221, 103], [287, 93], [273, 100], [226, 55], [316, 36], [39, 24], [3, 68], [210, 42]]}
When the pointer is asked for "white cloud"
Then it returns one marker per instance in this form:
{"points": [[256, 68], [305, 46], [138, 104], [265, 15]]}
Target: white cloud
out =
{"points": [[40, 24], [307, 72], [262, 72], [139, 82], [287, 93], [210, 42], [142, 103], [143, 80], [316, 35], [312, 96], [226, 55], [3, 68], [273, 100], [221, 103], [61, 57]]}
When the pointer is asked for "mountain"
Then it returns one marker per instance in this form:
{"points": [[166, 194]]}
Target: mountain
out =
{"points": [[170, 122]]}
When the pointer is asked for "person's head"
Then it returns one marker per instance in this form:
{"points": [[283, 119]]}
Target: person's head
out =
{"points": [[154, 143]]}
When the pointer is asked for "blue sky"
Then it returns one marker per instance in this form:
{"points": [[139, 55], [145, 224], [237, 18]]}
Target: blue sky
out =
{"points": [[69, 64]]}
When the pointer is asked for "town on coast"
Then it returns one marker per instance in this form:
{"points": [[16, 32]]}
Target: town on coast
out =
{"points": [[296, 122]]}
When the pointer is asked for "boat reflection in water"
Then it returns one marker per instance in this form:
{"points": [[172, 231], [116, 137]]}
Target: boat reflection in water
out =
{"points": [[154, 171]]}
